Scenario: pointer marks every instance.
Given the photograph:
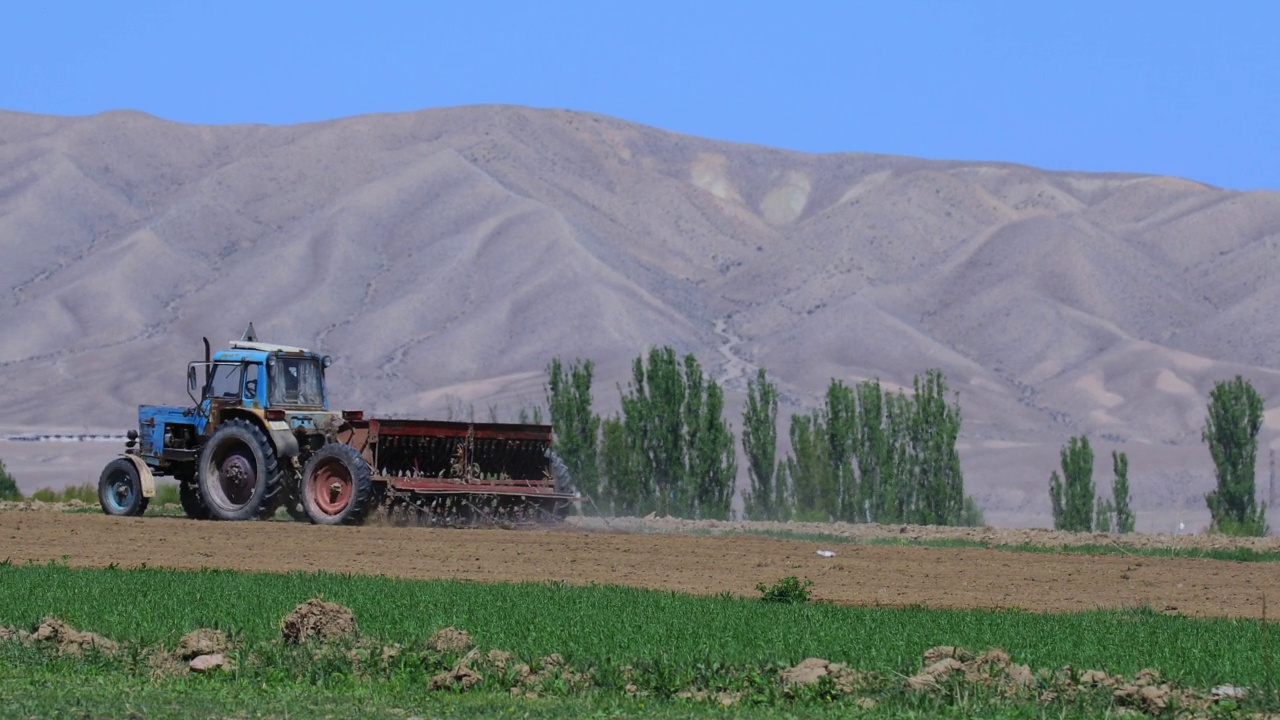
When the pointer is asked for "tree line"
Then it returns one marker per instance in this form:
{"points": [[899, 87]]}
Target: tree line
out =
{"points": [[1233, 419], [867, 455]]}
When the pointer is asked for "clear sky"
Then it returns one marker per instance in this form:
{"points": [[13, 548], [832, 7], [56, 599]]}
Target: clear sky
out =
{"points": [[1179, 88]]}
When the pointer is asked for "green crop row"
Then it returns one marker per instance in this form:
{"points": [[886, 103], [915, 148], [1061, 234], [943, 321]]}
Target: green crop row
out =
{"points": [[614, 626]]}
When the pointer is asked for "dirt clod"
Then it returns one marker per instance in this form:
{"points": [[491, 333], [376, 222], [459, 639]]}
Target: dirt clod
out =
{"points": [[932, 676], [461, 677], [450, 640], [724, 698], [69, 640], [939, 652], [552, 667], [499, 659], [319, 620], [203, 641], [1096, 677], [808, 672], [210, 662]]}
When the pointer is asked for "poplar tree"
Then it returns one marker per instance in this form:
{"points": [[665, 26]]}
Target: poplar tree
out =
{"points": [[676, 437], [1071, 494], [760, 443], [626, 488], [576, 428], [808, 467], [840, 492], [1121, 503], [933, 429], [1231, 427]]}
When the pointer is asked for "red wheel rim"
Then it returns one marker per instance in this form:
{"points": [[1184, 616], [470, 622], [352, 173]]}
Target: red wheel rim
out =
{"points": [[330, 486]]}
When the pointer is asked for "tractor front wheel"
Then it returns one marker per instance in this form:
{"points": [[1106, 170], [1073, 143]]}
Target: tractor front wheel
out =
{"points": [[337, 486], [240, 477], [120, 489]]}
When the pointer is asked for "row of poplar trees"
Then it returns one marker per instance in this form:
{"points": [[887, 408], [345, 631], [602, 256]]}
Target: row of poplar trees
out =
{"points": [[866, 455], [669, 451], [1071, 494], [1233, 419]]}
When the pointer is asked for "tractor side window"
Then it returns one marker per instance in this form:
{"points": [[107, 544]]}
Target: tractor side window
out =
{"points": [[251, 382], [225, 381]]}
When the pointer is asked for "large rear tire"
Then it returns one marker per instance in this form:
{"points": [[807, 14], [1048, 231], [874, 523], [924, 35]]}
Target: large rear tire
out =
{"points": [[337, 486], [120, 489], [240, 477]]}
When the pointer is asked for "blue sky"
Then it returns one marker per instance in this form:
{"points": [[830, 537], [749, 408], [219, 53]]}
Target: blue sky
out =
{"points": [[1180, 88]]}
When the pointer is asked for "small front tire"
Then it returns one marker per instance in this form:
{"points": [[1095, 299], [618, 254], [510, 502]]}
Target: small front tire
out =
{"points": [[120, 489]]}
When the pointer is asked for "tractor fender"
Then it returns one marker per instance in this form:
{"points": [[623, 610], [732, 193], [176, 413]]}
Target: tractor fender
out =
{"points": [[285, 441], [147, 480]]}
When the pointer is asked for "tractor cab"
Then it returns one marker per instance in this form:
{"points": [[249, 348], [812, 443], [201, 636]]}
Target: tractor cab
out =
{"points": [[260, 376], [280, 386]]}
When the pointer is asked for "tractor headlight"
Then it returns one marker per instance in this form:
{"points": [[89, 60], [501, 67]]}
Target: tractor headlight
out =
{"points": [[327, 361]]}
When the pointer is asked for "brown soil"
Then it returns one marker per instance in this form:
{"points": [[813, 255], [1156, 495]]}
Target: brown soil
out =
{"points": [[858, 574]]}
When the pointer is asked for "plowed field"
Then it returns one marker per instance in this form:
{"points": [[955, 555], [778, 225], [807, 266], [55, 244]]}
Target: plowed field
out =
{"points": [[858, 574]]}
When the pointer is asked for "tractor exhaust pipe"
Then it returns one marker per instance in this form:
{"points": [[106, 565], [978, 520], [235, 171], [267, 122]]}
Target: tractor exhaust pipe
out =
{"points": [[208, 361]]}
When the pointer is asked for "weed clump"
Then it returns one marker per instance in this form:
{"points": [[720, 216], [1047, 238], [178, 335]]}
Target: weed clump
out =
{"points": [[788, 590]]}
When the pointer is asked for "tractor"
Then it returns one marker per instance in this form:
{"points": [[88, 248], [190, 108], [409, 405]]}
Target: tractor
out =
{"points": [[260, 435]]}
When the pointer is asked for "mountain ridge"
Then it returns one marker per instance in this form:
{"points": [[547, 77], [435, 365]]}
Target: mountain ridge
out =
{"points": [[444, 256]]}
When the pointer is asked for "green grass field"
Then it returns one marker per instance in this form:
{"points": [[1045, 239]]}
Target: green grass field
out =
{"points": [[661, 643]]}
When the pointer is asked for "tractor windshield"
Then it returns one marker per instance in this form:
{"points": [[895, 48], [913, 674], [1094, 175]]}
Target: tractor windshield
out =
{"points": [[296, 381]]}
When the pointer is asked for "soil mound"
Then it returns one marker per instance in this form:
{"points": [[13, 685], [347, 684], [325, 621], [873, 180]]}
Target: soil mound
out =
{"points": [[203, 641], [318, 620], [551, 668], [991, 669], [450, 640], [68, 640], [460, 677], [811, 670]]}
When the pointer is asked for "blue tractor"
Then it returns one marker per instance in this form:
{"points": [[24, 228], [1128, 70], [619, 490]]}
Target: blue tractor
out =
{"points": [[259, 423]]}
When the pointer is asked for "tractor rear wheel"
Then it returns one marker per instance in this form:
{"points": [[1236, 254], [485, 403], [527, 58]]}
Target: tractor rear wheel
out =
{"points": [[240, 476], [337, 486], [120, 489]]}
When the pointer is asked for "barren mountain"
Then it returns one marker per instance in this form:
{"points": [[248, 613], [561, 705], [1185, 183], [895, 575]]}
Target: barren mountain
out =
{"points": [[443, 257]]}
